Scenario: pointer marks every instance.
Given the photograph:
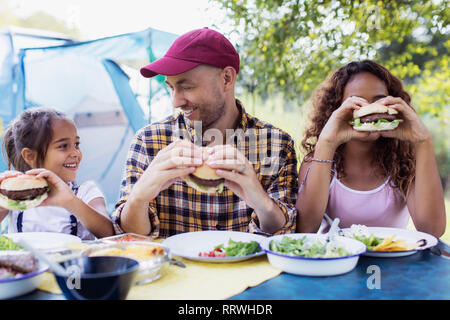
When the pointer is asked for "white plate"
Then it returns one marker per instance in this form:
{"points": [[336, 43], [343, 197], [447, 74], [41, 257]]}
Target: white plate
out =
{"points": [[45, 241], [189, 245], [10, 288], [410, 236]]}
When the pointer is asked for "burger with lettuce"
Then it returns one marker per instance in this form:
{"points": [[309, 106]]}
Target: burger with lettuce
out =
{"points": [[375, 117], [23, 192]]}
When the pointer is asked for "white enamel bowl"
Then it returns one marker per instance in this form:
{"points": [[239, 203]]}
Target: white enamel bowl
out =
{"points": [[315, 266]]}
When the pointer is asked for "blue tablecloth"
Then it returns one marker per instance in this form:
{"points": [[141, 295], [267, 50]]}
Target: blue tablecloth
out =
{"points": [[421, 276]]}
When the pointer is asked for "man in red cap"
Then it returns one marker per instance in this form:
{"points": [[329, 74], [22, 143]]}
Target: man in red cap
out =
{"points": [[256, 160]]}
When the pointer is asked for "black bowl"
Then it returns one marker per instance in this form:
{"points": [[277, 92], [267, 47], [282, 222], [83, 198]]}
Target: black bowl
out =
{"points": [[99, 278]]}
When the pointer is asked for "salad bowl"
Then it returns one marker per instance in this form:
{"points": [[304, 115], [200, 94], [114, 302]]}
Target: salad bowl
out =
{"points": [[309, 254]]}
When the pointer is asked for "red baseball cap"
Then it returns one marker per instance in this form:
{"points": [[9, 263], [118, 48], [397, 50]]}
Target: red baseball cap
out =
{"points": [[201, 46]]}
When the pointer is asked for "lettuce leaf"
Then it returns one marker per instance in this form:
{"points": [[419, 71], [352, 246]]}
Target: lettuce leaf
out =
{"points": [[16, 204], [357, 122]]}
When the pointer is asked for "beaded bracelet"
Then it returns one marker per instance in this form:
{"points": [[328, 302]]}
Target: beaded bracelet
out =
{"points": [[319, 160]]}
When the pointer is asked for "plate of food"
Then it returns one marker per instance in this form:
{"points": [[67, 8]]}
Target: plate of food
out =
{"points": [[215, 246], [390, 242], [310, 254], [50, 242], [20, 271], [125, 237]]}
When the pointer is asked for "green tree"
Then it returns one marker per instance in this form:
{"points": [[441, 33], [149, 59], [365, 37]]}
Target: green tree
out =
{"points": [[290, 46]]}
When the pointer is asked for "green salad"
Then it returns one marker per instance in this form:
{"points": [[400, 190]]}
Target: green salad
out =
{"points": [[234, 249], [361, 233], [370, 241], [7, 244], [303, 248], [240, 248]]}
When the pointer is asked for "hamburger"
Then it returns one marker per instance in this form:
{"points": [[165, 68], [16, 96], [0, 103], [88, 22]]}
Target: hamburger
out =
{"points": [[23, 192], [205, 179], [375, 117]]}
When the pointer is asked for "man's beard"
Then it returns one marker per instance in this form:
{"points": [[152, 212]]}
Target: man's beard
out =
{"points": [[209, 115]]}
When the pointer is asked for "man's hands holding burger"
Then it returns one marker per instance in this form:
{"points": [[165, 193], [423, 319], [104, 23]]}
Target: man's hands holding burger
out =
{"points": [[197, 166], [178, 159], [240, 177], [204, 168]]}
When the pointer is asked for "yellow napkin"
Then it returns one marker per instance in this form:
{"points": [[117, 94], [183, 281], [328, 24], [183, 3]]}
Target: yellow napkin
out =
{"points": [[198, 281]]}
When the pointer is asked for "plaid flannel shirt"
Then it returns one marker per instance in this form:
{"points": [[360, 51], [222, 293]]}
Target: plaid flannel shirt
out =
{"points": [[181, 208]]}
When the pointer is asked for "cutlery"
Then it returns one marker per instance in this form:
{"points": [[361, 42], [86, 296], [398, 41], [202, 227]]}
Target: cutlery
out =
{"points": [[333, 230], [178, 263], [54, 266], [330, 222], [439, 250]]}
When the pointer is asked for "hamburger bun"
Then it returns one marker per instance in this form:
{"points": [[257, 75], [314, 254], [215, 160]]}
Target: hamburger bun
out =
{"points": [[204, 179], [373, 108], [23, 192]]}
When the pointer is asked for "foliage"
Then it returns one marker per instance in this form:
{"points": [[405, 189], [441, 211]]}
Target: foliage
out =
{"points": [[291, 46]]}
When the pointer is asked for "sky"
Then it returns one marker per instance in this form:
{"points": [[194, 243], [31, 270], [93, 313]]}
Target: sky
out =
{"points": [[100, 18]]}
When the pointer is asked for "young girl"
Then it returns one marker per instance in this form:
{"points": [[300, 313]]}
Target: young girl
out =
{"points": [[45, 143], [373, 178]]}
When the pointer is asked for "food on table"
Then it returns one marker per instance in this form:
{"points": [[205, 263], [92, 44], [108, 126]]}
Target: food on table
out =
{"points": [[138, 252], [23, 192], [234, 249], [14, 261], [8, 244], [204, 178], [373, 243], [127, 237], [375, 117], [304, 248]]}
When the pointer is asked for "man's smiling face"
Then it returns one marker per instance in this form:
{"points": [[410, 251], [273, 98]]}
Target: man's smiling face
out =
{"points": [[198, 94]]}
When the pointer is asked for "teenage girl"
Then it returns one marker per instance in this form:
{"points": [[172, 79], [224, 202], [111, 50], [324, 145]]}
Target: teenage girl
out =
{"points": [[377, 178], [45, 143]]}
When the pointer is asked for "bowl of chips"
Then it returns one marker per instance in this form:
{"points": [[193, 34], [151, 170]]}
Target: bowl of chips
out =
{"points": [[154, 258]]}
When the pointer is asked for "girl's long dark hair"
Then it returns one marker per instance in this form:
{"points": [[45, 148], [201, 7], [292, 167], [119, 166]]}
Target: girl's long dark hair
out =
{"points": [[31, 129], [395, 158]]}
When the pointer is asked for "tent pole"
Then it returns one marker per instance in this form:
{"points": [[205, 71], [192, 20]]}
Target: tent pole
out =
{"points": [[130, 105]]}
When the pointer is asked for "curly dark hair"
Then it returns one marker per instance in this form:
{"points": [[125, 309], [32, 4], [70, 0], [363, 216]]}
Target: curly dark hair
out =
{"points": [[395, 158], [31, 129]]}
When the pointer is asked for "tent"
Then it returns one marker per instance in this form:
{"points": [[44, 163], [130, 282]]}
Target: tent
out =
{"points": [[97, 83]]}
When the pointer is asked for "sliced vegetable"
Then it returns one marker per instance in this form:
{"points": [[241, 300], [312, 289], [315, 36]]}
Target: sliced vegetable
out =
{"points": [[234, 249]]}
